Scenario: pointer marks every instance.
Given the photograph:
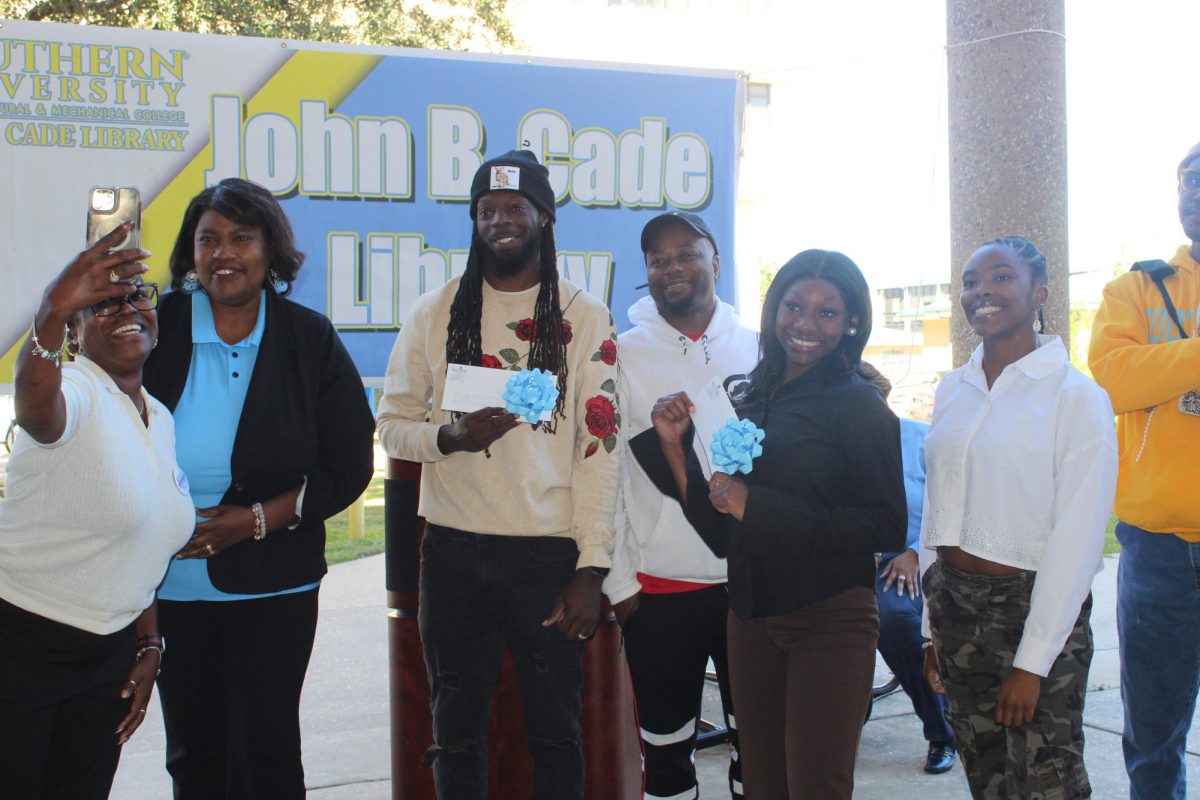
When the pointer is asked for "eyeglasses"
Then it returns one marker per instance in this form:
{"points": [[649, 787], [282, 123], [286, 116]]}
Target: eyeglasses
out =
{"points": [[1189, 179], [144, 299]]}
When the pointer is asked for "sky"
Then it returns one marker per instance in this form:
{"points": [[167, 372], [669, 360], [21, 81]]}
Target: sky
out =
{"points": [[851, 153]]}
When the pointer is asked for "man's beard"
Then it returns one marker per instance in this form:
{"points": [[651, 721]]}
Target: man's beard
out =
{"points": [[680, 307], [510, 264]]}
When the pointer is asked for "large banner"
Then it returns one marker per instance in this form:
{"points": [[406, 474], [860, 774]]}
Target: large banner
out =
{"points": [[370, 150]]}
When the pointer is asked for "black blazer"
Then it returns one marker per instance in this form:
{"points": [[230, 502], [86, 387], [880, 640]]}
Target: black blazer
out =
{"points": [[306, 414]]}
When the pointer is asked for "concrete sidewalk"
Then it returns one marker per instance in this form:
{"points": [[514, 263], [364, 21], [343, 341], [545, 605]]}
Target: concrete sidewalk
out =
{"points": [[344, 713]]}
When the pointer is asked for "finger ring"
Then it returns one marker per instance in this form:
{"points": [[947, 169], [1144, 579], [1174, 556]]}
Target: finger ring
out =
{"points": [[208, 547], [133, 684], [581, 637], [902, 578], [113, 277]]}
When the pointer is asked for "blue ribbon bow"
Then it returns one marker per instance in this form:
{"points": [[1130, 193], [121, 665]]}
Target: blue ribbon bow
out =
{"points": [[530, 392], [736, 445]]}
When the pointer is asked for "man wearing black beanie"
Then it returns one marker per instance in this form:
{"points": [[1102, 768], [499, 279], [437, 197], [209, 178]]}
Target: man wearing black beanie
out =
{"points": [[519, 516]]}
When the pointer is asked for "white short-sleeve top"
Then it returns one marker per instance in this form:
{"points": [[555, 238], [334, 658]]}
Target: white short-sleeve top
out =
{"points": [[90, 522]]}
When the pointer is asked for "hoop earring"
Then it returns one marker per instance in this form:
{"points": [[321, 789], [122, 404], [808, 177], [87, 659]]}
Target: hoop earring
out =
{"points": [[72, 344], [279, 284], [190, 283]]}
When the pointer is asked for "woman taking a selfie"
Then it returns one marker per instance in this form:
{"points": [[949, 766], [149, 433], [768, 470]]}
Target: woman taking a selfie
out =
{"points": [[276, 435], [95, 508], [1021, 465], [800, 530]]}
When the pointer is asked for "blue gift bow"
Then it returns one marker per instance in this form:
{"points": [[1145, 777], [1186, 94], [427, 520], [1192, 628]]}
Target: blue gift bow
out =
{"points": [[736, 445], [530, 392]]}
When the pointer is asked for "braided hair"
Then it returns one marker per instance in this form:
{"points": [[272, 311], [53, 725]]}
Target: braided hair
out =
{"points": [[1027, 251], [547, 348]]}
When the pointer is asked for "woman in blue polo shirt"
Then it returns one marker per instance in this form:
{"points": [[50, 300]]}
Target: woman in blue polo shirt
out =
{"points": [[276, 435]]}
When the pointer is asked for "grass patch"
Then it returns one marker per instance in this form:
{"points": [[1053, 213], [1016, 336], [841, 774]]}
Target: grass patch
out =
{"points": [[339, 546], [1111, 545]]}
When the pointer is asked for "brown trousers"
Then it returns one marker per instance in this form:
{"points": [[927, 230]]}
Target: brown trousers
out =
{"points": [[801, 685]]}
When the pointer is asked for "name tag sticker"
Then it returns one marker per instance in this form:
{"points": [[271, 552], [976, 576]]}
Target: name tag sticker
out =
{"points": [[181, 482]]}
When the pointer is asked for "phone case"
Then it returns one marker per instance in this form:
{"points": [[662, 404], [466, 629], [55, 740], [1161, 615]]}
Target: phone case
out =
{"points": [[127, 205]]}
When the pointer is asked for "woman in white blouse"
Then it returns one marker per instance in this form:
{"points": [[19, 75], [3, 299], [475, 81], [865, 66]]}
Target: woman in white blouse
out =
{"points": [[1022, 465]]}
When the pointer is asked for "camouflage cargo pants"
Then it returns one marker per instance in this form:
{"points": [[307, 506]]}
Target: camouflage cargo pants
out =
{"points": [[977, 622]]}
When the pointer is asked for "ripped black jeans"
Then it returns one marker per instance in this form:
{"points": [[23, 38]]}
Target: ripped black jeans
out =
{"points": [[479, 593]]}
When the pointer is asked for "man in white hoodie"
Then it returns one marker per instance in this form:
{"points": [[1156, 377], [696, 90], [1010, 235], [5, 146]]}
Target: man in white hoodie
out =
{"points": [[667, 588]]}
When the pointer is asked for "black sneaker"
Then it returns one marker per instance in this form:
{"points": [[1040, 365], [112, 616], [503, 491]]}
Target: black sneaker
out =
{"points": [[940, 757]]}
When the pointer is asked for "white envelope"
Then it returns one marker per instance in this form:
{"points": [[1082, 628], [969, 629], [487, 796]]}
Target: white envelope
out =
{"points": [[472, 388], [713, 410]]}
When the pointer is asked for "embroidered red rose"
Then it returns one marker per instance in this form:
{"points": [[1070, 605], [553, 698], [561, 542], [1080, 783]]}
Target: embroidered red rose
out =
{"points": [[526, 330], [491, 362], [608, 352], [568, 334], [601, 417]]}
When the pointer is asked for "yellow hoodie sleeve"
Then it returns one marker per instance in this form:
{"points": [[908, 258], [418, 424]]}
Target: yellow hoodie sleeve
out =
{"points": [[1136, 373]]}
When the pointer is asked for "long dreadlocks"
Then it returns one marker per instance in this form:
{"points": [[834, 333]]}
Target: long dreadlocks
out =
{"points": [[547, 349]]}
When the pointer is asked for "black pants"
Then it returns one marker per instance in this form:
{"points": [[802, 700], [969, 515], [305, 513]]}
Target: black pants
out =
{"points": [[478, 594], [668, 642], [59, 707], [230, 689]]}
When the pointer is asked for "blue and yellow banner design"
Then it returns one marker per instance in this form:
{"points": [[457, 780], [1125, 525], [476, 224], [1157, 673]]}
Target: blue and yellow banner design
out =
{"points": [[370, 150]]}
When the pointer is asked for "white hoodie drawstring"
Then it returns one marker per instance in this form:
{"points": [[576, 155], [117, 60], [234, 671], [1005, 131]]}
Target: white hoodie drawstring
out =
{"points": [[685, 341]]}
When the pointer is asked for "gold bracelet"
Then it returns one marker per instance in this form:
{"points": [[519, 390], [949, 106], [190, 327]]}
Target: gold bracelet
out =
{"points": [[260, 521]]}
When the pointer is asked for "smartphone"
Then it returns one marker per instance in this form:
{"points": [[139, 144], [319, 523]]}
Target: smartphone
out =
{"points": [[111, 206]]}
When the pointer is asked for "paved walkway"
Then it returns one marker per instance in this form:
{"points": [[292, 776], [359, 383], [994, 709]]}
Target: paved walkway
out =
{"points": [[344, 713]]}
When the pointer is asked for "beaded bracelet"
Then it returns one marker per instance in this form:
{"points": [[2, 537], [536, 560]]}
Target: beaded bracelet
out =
{"points": [[260, 521], [53, 356]]}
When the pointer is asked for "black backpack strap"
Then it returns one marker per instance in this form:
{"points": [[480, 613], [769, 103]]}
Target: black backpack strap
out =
{"points": [[1159, 271]]}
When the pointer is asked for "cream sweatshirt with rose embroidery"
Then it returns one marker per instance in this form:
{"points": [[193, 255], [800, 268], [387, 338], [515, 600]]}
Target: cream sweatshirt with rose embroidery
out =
{"points": [[535, 483]]}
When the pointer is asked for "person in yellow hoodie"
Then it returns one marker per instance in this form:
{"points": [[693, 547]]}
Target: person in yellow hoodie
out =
{"points": [[1146, 353]]}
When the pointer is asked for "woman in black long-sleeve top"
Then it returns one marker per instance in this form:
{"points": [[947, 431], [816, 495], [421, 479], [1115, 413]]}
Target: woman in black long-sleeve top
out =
{"points": [[800, 530]]}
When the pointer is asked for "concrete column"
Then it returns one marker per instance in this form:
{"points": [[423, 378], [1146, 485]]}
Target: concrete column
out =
{"points": [[1008, 140]]}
